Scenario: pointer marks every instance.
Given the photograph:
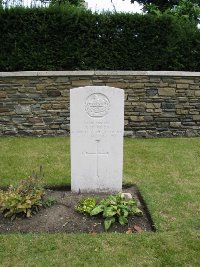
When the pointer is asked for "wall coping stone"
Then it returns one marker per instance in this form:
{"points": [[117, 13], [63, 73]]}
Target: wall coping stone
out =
{"points": [[99, 73]]}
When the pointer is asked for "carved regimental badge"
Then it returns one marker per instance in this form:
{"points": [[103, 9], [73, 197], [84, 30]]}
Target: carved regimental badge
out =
{"points": [[97, 105]]}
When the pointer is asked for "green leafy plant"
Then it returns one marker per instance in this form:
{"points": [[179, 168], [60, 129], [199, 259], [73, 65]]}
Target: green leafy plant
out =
{"points": [[35, 43], [152, 9], [188, 10], [24, 199], [86, 205], [46, 203], [116, 207]]}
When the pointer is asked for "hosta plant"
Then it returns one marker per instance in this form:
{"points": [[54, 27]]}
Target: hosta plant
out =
{"points": [[24, 199], [113, 208], [116, 208], [86, 205]]}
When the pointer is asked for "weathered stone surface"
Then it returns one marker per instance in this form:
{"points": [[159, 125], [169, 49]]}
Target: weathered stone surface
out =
{"points": [[53, 93], [182, 86], [166, 91], [150, 105], [80, 83], [119, 84], [137, 118], [197, 93], [191, 133], [182, 111], [65, 127], [3, 94], [48, 120], [194, 87], [168, 105], [59, 106], [184, 80], [97, 116], [141, 133], [4, 119], [197, 106], [182, 99], [46, 106], [135, 85], [35, 107], [155, 102], [65, 92], [54, 126], [175, 124], [151, 91], [3, 110], [196, 117], [23, 109], [24, 89], [64, 80], [155, 79], [148, 118], [18, 120], [128, 133], [41, 87], [189, 123], [35, 120]]}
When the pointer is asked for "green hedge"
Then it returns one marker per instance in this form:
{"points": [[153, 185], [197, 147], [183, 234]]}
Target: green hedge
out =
{"points": [[72, 39]]}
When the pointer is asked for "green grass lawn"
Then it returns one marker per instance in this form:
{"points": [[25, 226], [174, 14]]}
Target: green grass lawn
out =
{"points": [[167, 172]]}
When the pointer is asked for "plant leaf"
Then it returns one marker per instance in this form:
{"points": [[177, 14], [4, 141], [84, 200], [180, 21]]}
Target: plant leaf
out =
{"points": [[138, 212], [96, 210], [108, 222], [28, 213], [123, 220], [109, 212], [125, 213]]}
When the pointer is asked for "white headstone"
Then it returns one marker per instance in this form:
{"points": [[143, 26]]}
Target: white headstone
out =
{"points": [[96, 131]]}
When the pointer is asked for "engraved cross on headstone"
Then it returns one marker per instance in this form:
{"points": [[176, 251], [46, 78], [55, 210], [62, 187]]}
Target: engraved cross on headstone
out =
{"points": [[97, 154]]}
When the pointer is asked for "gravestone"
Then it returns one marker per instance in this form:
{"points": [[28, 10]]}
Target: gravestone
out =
{"points": [[96, 135]]}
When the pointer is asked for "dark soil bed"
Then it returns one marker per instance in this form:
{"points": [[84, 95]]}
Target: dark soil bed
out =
{"points": [[62, 217]]}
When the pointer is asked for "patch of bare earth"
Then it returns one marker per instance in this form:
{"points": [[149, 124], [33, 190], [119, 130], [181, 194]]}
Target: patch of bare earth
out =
{"points": [[62, 217]]}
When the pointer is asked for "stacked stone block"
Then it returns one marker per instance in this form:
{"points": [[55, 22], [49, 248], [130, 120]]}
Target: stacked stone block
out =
{"points": [[161, 104]]}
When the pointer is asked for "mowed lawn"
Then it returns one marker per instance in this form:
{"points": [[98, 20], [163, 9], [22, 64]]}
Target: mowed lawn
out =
{"points": [[167, 172]]}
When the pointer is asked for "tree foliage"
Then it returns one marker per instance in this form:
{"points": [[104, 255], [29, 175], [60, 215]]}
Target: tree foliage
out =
{"points": [[185, 9], [14, 3], [70, 2], [161, 4], [164, 4]]}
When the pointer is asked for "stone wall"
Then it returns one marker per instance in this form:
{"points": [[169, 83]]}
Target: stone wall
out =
{"points": [[156, 103]]}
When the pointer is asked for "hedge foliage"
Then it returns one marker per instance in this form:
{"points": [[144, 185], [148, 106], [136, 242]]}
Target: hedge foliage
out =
{"points": [[73, 39]]}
